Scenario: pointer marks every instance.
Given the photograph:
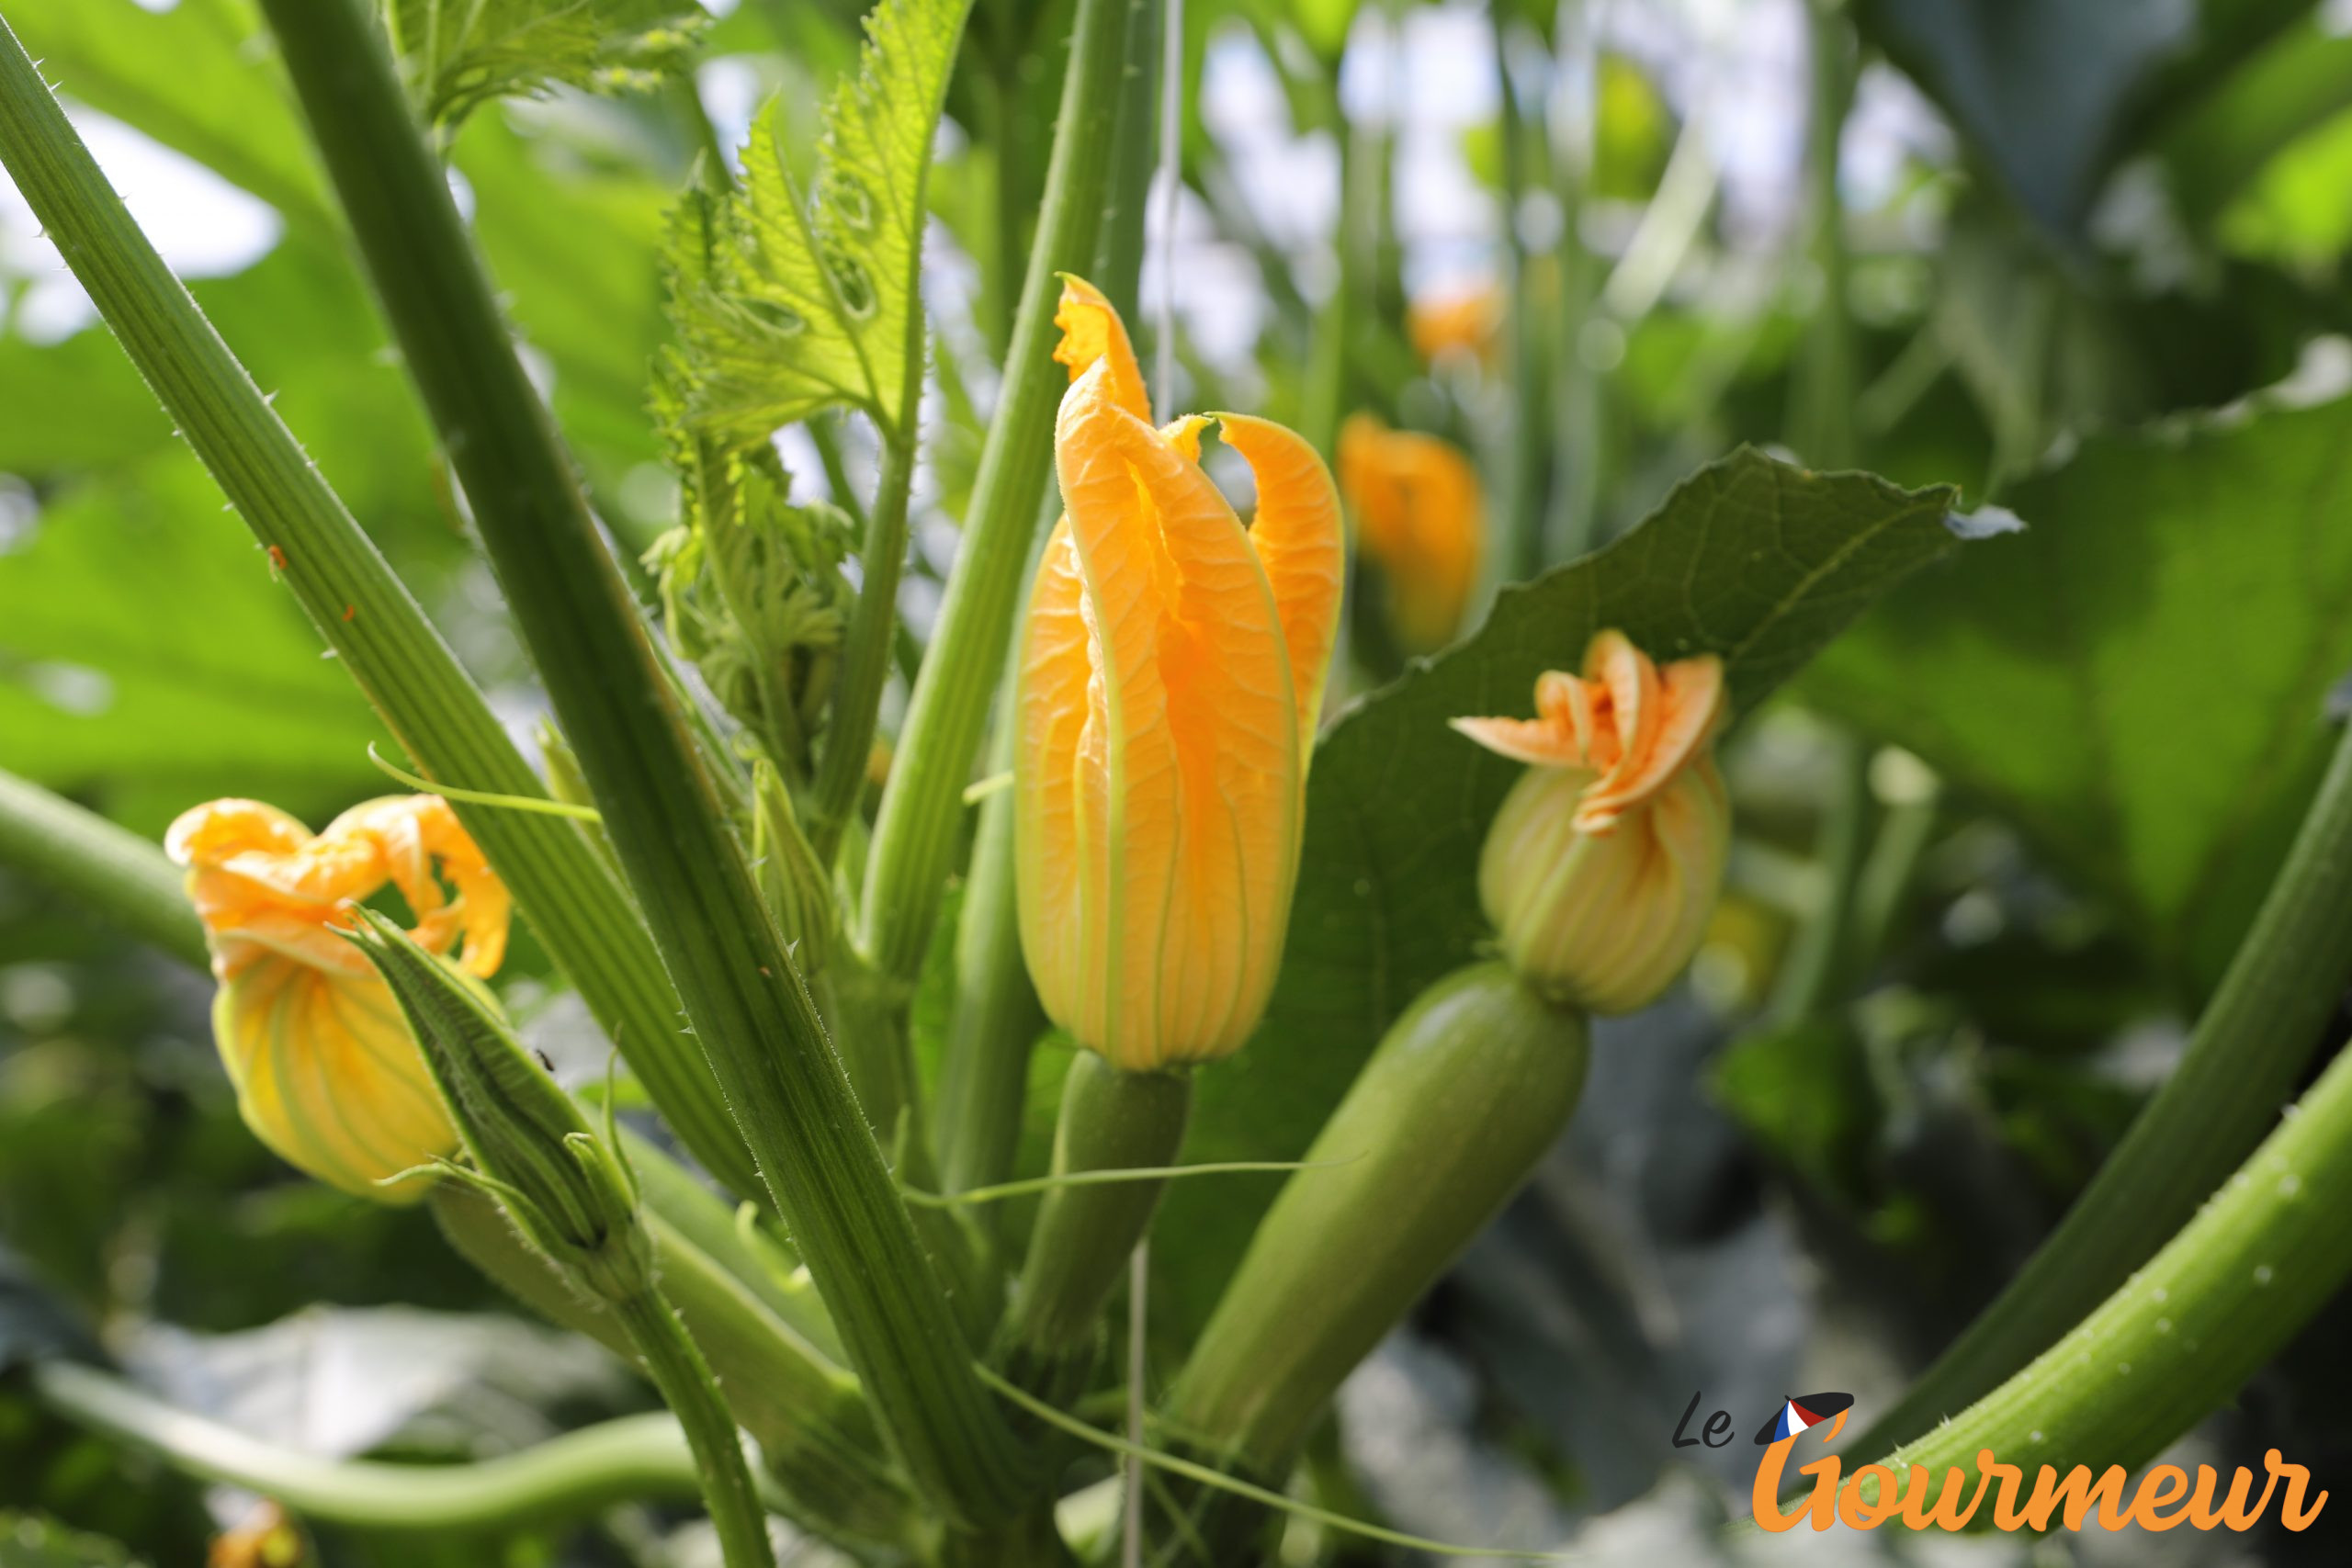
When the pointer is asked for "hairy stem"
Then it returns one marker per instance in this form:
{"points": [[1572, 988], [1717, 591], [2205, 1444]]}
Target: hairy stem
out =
{"points": [[745, 1000], [678, 1370]]}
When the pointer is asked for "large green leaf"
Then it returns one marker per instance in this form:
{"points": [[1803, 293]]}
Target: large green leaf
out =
{"points": [[2055, 93], [2139, 680], [1750, 558], [148, 656], [788, 304]]}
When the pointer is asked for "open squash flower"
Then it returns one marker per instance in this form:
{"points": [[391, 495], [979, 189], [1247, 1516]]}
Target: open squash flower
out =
{"points": [[1603, 865], [1171, 670], [1421, 515], [325, 1070]]}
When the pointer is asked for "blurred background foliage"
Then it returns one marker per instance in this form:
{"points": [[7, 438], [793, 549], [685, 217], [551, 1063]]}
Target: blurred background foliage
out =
{"points": [[2086, 261]]}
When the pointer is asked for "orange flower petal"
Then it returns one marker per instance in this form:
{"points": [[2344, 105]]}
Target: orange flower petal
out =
{"points": [[1091, 332], [1184, 810], [1300, 544], [328, 1076], [1537, 741]]}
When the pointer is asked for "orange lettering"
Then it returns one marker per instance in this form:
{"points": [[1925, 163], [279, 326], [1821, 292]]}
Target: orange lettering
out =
{"points": [[2078, 1492], [2233, 1513], [1946, 1513], [2292, 1512], [1867, 1513], [2166, 1483], [2005, 1501]]}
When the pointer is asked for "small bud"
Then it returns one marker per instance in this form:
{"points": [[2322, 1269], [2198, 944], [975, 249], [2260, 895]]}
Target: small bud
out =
{"points": [[565, 1189], [1601, 869]]}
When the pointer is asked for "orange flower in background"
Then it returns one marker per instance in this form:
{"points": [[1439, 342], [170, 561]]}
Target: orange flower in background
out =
{"points": [[1421, 515], [1461, 319], [326, 1071], [1171, 670], [1602, 868]]}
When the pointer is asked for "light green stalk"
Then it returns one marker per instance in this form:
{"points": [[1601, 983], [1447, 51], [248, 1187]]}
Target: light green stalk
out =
{"points": [[365, 615], [578, 1473], [743, 997], [111, 869], [569, 1195], [916, 833]]}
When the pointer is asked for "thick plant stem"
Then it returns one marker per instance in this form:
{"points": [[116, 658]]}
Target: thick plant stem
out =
{"points": [[678, 1370], [866, 646], [916, 831], [579, 1474], [114, 871], [743, 997], [2180, 1337], [984, 1075], [365, 615], [1110, 1120], [2242, 1062]]}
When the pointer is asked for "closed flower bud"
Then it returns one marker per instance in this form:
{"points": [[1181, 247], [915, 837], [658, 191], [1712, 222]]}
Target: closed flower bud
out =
{"points": [[324, 1069], [1603, 866], [1171, 671], [1420, 517], [564, 1187]]}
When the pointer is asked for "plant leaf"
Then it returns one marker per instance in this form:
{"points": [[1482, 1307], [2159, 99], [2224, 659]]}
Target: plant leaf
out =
{"points": [[146, 652], [789, 303], [460, 54], [1749, 558], [2138, 682]]}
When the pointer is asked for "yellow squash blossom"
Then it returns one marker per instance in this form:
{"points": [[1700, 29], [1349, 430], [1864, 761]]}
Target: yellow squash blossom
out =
{"points": [[1421, 515], [1604, 862], [325, 1070], [1458, 321], [1170, 671]]}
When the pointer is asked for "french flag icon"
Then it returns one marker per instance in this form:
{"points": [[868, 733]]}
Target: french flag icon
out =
{"points": [[1801, 1412]]}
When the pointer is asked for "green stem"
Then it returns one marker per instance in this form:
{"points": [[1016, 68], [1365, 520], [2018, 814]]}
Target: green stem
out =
{"points": [[1110, 1120], [2242, 1062], [984, 1075], [1816, 961], [916, 830], [866, 651], [379, 633], [743, 997], [578, 1473], [1578, 460], [1522, 509], [2186, 1332], [678, 1370], [118, 874], [1822, 420]]}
